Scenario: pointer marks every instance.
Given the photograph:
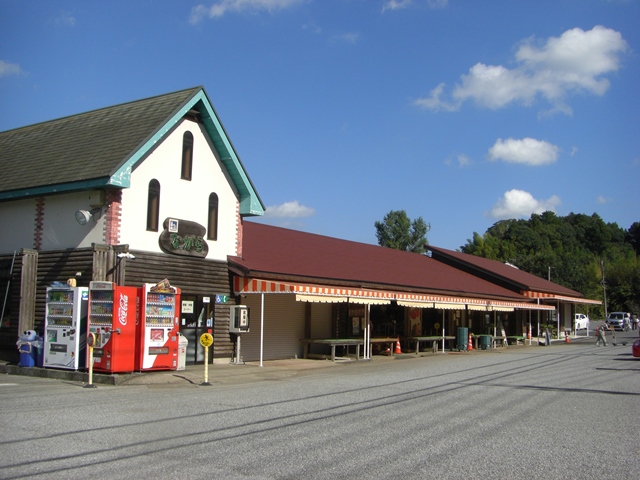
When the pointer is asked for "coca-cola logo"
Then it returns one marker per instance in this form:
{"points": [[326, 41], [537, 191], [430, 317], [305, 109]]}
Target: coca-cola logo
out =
{"points": [[124, 306]]}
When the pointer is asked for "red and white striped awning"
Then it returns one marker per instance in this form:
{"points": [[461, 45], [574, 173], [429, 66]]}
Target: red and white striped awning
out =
{"points": [[326, 293], [254, 285], [562, 298]]}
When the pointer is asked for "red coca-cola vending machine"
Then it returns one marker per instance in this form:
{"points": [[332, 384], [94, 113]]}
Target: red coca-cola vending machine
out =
{"points": [[158, 338], [114, 320]]}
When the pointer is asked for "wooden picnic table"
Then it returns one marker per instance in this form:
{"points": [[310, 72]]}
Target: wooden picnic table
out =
{"points": [[433, 339], [333, 343], [345, 342]]}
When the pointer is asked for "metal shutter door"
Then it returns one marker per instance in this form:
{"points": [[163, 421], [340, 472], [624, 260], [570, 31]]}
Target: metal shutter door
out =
{"points": [[283, 327]]}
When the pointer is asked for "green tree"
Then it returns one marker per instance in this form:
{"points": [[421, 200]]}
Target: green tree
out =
{"points": [[633, 236], [399, 232], [570, 248]]}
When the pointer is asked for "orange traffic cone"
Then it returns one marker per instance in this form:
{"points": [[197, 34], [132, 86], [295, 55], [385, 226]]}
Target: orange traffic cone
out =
{"points": [[470, 345], [566, 337], [397, 350]]}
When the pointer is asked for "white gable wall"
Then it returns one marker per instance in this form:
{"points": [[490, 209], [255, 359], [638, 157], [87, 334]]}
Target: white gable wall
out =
{"points": [[181, 199]]}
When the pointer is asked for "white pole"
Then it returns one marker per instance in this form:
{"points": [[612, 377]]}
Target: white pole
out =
{"points": [[261, 328], [442, 330], [368, 333], [558, 319], [529, 327], [538, 320]]}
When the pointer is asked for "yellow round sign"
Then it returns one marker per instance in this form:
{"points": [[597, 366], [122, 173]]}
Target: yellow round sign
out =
{"points": [[206, 339]]}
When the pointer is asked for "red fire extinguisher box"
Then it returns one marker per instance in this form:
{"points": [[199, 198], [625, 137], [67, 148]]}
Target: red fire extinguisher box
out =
{"points": [[114, 320]]}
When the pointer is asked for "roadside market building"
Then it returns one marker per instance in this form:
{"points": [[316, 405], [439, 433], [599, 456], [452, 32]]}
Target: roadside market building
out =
{"points": [[93, 196]]}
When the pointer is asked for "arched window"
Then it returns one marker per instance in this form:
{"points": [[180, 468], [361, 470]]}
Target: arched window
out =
{"points": [[187, 155], [153, 206], [212, 223]]}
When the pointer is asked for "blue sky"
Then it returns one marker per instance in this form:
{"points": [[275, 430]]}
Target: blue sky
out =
{"points": [[462, 112]]}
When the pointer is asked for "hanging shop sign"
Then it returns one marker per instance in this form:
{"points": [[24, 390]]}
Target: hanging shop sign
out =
{"points": [[183, 237]]}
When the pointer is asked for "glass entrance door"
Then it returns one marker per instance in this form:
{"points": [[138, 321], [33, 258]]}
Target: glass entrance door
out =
{"points": [[196, 318]]}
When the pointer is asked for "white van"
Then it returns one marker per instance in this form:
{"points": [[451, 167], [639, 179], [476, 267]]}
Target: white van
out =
{"points": [[581, 321]]}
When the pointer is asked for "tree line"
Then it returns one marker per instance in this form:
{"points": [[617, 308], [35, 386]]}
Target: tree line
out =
{"points": [[577, 251]]}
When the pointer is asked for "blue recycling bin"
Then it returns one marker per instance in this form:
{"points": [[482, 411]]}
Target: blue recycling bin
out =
{"points": [[28, 346]]}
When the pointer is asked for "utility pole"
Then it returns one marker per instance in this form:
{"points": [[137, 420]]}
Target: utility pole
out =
{"points": [[604, 288]]}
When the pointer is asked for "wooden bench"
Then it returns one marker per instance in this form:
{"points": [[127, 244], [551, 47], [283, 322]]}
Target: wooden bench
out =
{"points": [[516, 339], [433, 340]]}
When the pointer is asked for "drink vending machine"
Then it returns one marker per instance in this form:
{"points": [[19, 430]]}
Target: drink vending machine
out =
{"points": [[114, 320], [65, 327], [159, 327]]}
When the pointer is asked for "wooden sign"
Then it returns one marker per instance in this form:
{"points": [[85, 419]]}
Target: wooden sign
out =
{"points": [[183, 237]]}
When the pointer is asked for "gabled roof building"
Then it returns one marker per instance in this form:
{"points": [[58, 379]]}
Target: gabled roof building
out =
{"points": [[95, 196]]}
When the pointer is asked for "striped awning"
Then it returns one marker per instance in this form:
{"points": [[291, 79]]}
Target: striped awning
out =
{"points": [[562, 298], [482, 308], [369, 301], [333, 294], [449, 306], [254, 285], [321, 299], [405, 303]]}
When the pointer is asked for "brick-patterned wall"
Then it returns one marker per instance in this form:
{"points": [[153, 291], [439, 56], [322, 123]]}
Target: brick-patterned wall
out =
{"points": [[37, 231], [113, 217], [238, 231]]}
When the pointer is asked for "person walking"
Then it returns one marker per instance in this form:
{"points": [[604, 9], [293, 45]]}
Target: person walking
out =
{"points": [[600, 334]]}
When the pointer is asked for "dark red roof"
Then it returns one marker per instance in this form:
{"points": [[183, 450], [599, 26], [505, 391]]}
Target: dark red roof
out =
{"points": [[518, 278], [278, 253]]}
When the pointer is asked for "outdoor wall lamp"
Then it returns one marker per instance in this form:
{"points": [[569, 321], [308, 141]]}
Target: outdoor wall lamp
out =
{"points": [[83, 216]]}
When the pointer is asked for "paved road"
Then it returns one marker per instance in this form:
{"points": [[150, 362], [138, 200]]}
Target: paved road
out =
{"points": [[564, 411]]}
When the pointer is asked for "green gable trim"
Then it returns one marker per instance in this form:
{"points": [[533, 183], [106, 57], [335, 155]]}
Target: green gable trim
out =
{"points": [[250, 203], [60, 188]]}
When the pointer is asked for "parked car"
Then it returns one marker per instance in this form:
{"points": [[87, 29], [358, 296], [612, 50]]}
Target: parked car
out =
{"points": [[581, 321], [617, 320]]}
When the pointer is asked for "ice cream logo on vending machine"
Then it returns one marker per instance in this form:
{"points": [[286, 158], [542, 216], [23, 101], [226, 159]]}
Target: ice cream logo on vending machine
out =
{"points": [[124, 306]]}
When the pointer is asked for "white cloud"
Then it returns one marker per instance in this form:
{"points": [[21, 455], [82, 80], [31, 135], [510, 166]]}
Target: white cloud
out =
{"points": [[521, 204], [399, 4], [527, 151], [602, 199], [573, 63], [461, 160], [396, 4], [7, 69], [288, 210], [221, 7], [65, 19]]}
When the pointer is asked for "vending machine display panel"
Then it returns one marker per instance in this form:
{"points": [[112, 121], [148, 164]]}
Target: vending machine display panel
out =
{"points": [[158, 338], [114, 320], [65, 327]]}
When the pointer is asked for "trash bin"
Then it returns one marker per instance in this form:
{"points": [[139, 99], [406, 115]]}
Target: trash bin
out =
{"points": [[462, 338], [635, 350], [38, 345], [485, 342], [27, 343], [183, 342]]}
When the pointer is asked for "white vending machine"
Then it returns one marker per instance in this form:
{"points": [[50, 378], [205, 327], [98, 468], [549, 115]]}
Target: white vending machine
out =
{"points": [[65, 327]]}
